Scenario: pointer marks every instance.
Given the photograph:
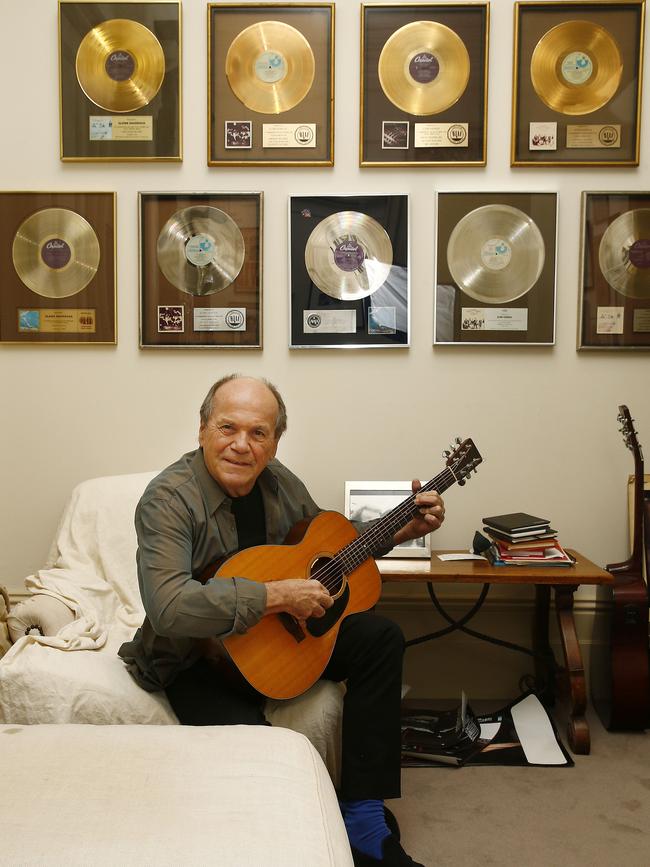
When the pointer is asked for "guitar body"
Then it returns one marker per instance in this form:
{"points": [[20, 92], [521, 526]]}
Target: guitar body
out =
{"points": [[620, 661], [277, 656], [620, 670]]}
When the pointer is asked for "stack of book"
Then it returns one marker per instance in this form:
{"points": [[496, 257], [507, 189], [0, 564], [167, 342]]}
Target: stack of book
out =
{"points": [[520, 539]]}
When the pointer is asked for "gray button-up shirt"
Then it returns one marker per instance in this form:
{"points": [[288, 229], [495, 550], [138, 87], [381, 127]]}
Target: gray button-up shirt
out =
{"points": [[184, 524]]}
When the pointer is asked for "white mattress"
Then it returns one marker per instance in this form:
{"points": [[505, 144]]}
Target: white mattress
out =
{"points": [[232, 796]]}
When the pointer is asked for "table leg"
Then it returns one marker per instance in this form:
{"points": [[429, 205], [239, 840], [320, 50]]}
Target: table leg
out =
{"points": [[545, 664], [578, 728]]}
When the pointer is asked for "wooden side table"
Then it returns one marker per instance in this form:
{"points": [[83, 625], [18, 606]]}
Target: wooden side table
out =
{"points": [[563, 580]]}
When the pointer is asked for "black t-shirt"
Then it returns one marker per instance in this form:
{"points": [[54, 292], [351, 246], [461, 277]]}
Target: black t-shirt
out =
{"points": [[249, 518]]}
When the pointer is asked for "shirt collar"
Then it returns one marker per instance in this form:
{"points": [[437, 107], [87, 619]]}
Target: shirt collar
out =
{"points": [[213, 494]]}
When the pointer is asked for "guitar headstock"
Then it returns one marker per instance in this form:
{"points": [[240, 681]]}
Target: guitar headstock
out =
{"points": [[462, 458], [629, 434]]}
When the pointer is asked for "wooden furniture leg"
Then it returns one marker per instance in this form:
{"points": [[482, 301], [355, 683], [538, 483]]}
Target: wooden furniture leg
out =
{"points": [[545, 664], [577, 729]]}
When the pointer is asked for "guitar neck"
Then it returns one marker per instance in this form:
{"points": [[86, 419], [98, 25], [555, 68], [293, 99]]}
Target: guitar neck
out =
{"points": [[383, 530], [634, 565]]}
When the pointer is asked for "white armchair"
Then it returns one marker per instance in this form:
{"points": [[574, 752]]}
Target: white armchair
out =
{"points": [[63, 666]]}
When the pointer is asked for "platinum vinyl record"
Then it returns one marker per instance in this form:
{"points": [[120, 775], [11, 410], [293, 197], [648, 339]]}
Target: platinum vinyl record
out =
{"points": [[56, 252], [348, 255], [495, 253], [576, 67], [424, 68], [624, 254], [200, 250], [120, 65], [270, 67]]}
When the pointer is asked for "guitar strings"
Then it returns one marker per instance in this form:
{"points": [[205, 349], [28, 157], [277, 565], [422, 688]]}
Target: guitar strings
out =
{"points": [[328, 575]]}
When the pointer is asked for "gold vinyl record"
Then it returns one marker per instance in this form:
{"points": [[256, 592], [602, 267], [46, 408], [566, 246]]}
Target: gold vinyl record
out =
{"points": [[120, 65], [624, 254], [495, 253], [270, 67], [56, 252], [424, 67], [200, 250], [576, 67], [348, 255]]}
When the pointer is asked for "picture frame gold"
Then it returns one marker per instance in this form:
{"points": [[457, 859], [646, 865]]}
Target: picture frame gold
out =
{"points": [[577, 83], [266, 107], [57, 257], [410, 119], [349, 271], [614, 298], [496, 268], [120, 68], [186, 301]]}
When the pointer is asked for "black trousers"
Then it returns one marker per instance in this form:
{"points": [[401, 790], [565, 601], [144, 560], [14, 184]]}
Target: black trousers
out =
{"points": [[368, 656]]}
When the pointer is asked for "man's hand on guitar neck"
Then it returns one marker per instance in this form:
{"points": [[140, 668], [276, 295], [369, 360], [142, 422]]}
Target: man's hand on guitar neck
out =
{"points": [[432, 514], [300, 597]]}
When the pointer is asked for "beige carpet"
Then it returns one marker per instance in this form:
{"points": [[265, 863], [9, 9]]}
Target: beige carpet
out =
{"points": [[596, 813]]}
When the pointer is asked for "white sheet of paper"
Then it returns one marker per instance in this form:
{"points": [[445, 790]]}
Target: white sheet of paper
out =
{"points": [[489, 730], [460, 556], [536, 733]]}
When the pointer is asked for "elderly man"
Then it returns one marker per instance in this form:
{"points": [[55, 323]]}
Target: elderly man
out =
{"points": [[231, 494]]}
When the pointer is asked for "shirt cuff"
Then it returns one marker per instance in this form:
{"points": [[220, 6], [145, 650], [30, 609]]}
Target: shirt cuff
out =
{"points": [[250, 603]]}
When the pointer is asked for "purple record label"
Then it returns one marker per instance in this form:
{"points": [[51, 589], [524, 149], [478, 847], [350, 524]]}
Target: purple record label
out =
{"points": [[640, 253], [349, 255], [120, 65], [56, 253], [424, 67]]}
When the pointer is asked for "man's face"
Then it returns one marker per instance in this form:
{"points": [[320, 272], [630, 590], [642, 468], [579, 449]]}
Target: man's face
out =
{"points": [[239, 439]]}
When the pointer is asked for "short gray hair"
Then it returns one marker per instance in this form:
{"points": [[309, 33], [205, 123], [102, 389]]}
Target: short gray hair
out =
{"points": [[206, 406]]}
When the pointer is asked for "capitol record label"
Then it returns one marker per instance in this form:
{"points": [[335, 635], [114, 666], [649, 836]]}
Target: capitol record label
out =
{"points": [[494, 319], [441, 135], [219, 319], [593, 135], [115, 128], [45, 320], [329, 321], [641, 321], [289, 135], [609, 320], [542, 136]]}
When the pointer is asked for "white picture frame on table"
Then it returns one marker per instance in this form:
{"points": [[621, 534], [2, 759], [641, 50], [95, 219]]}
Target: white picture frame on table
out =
{"points": [[365, 501]]}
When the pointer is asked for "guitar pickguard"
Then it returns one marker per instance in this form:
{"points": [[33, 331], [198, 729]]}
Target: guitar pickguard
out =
{"points": [[318, 626]]}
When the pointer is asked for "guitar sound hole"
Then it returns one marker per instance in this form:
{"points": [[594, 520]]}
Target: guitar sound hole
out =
{"points": [[329, 573]]}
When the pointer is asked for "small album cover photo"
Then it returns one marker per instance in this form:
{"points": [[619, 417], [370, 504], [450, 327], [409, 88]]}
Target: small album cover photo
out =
{"points": [[395, 134], [614, 309], [171, 318], [239, 134], [495, 268]]}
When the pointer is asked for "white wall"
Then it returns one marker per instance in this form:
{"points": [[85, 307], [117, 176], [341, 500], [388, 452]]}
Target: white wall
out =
{"points": [[543, 418]]}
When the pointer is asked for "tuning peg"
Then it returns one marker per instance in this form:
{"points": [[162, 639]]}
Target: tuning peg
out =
{"points": [[458, 441], [461, 482], [446, 453]]}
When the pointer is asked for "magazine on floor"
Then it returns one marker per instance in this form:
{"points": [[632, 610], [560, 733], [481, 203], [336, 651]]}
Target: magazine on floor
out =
{"points": [[521, 733]]}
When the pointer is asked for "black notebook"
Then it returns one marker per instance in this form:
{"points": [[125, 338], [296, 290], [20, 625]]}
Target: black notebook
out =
{"points": [[516, 522]]}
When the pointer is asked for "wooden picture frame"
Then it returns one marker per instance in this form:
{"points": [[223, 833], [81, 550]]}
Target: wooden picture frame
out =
{"points": [[120, 81], [496, 262], [433, 110], [271, 84], [614, 299], [365, 501], [57, 259], [200, 270], [349, 271], [577, 83]]}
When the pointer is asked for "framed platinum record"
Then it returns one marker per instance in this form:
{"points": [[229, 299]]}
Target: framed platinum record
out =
{"points": [[495, 268], [349, 271]]}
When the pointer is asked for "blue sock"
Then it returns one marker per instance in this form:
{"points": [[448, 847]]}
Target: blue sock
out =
{"points": [[366, 826]]}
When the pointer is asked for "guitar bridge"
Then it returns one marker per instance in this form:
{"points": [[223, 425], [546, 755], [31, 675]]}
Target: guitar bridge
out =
{"points": [[292, 626]]}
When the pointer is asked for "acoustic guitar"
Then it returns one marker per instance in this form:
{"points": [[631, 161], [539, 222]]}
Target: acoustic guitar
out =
{"points": [[282, 657], [620, 669]]}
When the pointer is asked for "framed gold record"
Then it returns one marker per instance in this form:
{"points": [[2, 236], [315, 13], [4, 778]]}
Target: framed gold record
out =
{"points": [[577, 83], [271, 84], [57, 256], [424, 84], [495, 268], [614, 301], [349, 260], [200, 270], [120, 80]]}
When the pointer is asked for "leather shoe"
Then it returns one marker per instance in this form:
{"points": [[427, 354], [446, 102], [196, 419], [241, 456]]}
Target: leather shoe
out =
{"points": [[391, 821], [393, 856]]}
